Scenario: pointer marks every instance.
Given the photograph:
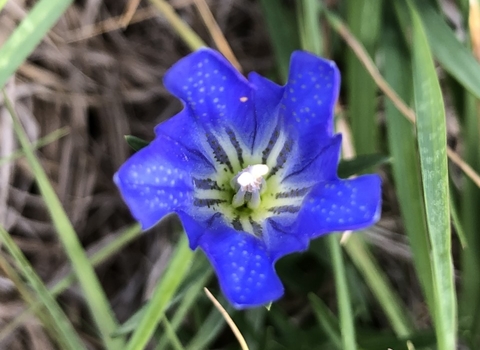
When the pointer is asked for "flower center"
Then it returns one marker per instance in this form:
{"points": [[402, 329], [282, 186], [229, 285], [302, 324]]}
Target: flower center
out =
{"points": [[249, 185]]}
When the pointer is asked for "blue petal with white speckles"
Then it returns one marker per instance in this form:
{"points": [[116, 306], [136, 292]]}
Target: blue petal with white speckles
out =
{"points": [[228, 124]]}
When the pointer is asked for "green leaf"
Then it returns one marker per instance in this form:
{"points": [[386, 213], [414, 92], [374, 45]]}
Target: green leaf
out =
{"points": [[443, 42], [344, 303], [359, 164], [66, 335], [51, 137], [363, 19], [211, 327], [405, 161], [28, 35], [165, 290], [432, 144], [326, 320], [375, 278], [118, 242], [310, 30], [136, 143], [283, 32]]}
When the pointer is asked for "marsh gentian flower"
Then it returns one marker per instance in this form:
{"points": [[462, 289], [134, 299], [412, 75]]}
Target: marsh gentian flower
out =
{"points": [[250, 168]]}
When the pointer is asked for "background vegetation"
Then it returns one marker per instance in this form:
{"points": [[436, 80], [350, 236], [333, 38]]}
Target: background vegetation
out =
{"points": [[77, 76]]}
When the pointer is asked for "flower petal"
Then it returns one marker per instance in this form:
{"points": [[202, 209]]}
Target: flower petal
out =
{"points": [[340, 206], [244, 268], [280, 241], [184, 131], [156, 181], [266, 96], [214, 91], [310, 97], [321, 167]]}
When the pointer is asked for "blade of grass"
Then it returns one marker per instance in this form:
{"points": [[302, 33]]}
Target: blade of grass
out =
{"points": [[164, 291], [66, 335], [193, 41], [187, 302], [29, 33], [344, 303], [470, 198], [96, 259], [406, 111], [212, 325], [309, 28], [326, 320], [172, 336], [369, 268], [51, 137], [405, 162], [29, 298], [442, 40], [432, 144], [191, 281], [94, 295], [363, 18], [283, 33]]}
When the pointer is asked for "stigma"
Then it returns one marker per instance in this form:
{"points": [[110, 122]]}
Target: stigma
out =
{"points": [[249, 185]]}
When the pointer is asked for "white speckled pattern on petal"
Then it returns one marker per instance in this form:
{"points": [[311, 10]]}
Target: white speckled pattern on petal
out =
{"points": [[244, 267], [153, 183], [341, 205]]}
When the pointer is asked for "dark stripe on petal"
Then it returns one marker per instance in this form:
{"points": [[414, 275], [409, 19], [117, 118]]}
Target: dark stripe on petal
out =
{"points": [[236, 145], [296, 192], [257, 228], [207, 202], [282, 157], [218, 151], [277, 226], [237, 225], [212, 218], [285, 209], [273, 139], [206, 184]]}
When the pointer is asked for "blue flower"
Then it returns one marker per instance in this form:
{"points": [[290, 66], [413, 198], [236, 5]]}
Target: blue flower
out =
{"points": [[250, 167]]}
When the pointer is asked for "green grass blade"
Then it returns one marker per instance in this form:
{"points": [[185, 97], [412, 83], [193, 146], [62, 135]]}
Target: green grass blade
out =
{"points": [[405, 162], [310, 30], [326, 320], [171, 335], [51, 137], [283, 32], [344, 303], [363, 19], [432, 144], [469, 219], [164, 292], [379, 285], [94, 294], [187, 302], [97, 258], [65, 333], [211, 327], [350, 167], [443, 42], [28, 35]]}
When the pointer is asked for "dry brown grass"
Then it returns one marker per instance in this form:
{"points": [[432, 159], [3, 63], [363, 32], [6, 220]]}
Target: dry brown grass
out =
{"points": [[101, 81]]}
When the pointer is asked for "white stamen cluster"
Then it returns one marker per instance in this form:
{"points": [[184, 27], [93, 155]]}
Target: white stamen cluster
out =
{"points": [[249, 184]]}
